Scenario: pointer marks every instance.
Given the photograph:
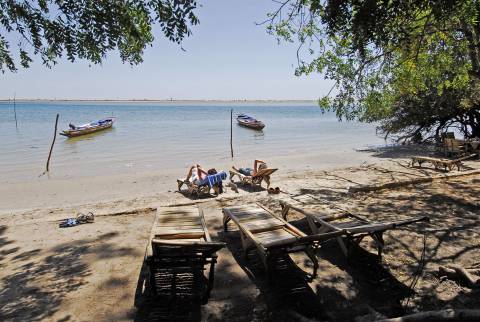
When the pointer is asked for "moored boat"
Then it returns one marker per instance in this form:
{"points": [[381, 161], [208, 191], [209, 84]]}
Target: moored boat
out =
{"points": [[250, 122], [88, 128]]}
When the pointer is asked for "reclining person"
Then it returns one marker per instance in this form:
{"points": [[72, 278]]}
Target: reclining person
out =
{"points": [[199, 177], [257, 166]]}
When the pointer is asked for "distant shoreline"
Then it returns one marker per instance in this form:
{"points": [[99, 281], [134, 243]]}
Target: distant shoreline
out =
{"points": [[155, 101]]}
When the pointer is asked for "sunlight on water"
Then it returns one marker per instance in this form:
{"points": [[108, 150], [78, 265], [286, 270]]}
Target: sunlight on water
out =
{"points": [[149, 136]]}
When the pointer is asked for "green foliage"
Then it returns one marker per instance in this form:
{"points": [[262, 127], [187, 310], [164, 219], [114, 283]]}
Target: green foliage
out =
{"points": [[412, 66], [86, 29]]}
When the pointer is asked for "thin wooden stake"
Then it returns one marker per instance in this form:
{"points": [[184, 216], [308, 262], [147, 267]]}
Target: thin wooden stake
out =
{"points": [[53, 142], [15, 110], [231, 131]]}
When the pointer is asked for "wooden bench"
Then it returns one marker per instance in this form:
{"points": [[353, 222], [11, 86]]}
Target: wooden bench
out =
{"points": [[438, 163], [178, 249], [271, 236]]}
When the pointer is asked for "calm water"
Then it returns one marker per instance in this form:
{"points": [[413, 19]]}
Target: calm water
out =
{"points": [[150, 136]]}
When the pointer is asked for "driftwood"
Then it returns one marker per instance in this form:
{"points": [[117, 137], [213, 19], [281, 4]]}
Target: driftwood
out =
{"points": [[460, 274], [401, 183], [131, 211], [443, 315]]}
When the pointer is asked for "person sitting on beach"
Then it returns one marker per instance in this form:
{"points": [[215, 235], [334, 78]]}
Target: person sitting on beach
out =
{"points": [[257, 166], [199, 177]]}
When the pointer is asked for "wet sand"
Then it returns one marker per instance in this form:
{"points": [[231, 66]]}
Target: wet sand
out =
{"points": [[93, 272]]}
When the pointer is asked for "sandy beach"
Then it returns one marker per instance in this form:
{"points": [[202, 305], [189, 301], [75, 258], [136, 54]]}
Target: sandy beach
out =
{"points": [[95, 272]]}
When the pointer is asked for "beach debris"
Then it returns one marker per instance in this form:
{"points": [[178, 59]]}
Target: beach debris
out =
{"points": [[463, 275]]}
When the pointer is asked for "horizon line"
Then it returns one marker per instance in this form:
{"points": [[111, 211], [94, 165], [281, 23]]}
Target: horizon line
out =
{"points": [[153, 100]]}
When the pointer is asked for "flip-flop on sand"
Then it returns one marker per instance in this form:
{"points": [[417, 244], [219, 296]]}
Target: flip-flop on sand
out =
{"points": [[81, 219]]}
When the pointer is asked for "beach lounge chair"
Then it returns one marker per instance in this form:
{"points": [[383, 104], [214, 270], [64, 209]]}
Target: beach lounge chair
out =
{"points": [[256, 180], [438, 163], [272, 236], [178, 249], [203, 190], [356, 227]]}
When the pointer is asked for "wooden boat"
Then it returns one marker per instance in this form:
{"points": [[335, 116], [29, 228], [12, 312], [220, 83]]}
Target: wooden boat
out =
{"points": [[88, 128], [250, 122]]}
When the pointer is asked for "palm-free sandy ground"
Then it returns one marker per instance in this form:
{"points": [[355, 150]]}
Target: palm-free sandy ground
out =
{"points": [[95, 272]]}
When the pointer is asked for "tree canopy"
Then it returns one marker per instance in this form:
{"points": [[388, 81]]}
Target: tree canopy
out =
{"points": [[86, 29], [411, 65]]}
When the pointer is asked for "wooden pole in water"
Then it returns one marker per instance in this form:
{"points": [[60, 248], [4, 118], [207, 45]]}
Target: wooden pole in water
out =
{"points": [[15, 110], [53, 142], [231, 131]]}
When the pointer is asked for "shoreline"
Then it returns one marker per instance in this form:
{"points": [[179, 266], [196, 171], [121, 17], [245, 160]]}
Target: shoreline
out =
{"points": [[60, 189]]}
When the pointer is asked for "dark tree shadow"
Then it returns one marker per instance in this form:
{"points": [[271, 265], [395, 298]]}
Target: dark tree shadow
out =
{"points": [[60, 271], [450, 237], [285, 290]]}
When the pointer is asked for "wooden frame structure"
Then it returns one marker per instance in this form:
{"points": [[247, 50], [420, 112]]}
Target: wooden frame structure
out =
{"points": [[179, 247], [355, 226], [272, 236], [256, 180], [452, 147]]}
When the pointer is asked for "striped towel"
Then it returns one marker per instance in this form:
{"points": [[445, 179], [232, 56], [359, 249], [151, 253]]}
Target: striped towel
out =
{"points": [[216, 178]]}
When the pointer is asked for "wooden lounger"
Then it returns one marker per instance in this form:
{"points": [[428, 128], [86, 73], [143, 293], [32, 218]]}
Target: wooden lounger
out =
{"points": [[178, 249], [437, 163], [272, 236], [356, 227], [256, 180]]}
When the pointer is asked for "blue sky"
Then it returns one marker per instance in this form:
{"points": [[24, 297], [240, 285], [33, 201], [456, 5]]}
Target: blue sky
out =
{"points": [[227, 57]]}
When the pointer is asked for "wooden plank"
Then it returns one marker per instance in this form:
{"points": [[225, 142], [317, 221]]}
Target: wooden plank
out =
{"points": [[294, 230], [263, 224], [187, 235], [268, 237], [181, 223]]}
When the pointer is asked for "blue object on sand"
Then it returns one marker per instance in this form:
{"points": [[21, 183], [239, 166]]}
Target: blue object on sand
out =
{"points": [[69, 222], [216, 178]]}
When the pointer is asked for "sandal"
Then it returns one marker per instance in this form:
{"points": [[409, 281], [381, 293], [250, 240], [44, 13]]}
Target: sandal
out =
{"points": [[271, 191], [277, 190], [83, 219]]}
